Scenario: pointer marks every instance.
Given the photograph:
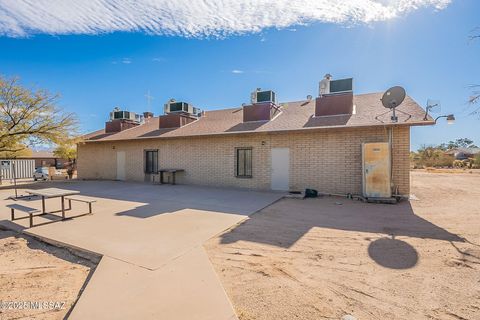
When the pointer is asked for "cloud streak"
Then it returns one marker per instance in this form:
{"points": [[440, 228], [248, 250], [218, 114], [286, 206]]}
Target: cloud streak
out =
{"points": [[199, 19], [124, 61]]}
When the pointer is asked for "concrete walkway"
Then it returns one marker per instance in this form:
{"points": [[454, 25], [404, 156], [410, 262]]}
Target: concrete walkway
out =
{"points": [[153, 265]]}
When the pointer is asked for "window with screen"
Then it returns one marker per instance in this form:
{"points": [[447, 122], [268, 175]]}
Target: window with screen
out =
{"points": [[151, 161], [243, 162]]}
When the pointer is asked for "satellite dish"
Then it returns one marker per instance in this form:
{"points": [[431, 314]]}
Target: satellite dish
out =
{"points": [[393, 97], [433, 106]]}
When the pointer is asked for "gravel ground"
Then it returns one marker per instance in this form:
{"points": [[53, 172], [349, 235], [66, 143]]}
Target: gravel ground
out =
{"points": [[33, 271], [327, 258]]}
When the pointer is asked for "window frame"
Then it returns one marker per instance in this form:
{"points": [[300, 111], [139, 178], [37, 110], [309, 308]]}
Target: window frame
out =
{"points": [[145, 161], [245, 166]]}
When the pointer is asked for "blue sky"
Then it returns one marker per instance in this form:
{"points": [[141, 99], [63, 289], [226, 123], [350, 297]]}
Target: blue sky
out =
{"points": [[426, 50]]}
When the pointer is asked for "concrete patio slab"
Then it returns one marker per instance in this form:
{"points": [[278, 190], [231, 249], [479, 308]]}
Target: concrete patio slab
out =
{"points": [[148, 225], [186, 289], [151, 238]]}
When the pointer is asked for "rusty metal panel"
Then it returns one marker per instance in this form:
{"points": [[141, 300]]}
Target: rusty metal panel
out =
{"points": [[376, 170]]}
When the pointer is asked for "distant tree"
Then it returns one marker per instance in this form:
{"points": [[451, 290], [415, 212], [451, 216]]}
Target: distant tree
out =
{"points": [[29, 117], [458, 143], [428, 154], [67, 149]]}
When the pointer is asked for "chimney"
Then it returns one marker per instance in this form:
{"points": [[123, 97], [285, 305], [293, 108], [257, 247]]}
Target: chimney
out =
{"points": [[178, 114], [262, 108], [174, 120], [331, 105], [335, 97]]}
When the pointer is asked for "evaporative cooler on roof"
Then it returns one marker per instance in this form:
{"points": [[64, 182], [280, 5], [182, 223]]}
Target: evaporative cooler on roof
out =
{"points": [[341, 85], [265, 96], [181, 107]]}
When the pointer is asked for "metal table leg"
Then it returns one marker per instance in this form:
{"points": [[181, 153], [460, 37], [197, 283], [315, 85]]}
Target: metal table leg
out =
{"points": [[63, 207], [43, 205]]}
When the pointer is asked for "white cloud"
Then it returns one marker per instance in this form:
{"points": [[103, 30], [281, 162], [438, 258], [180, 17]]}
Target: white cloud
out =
{"points": [[236, 71], [206, 18], [123, 60]]}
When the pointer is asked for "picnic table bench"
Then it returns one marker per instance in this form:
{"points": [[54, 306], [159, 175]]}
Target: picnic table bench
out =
{"points": [[28, 210], [80, 198], [53, 193], [63, 194], [173, 172]]}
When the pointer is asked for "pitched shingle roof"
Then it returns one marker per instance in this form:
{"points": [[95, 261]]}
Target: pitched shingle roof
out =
{"points": [[298, 115], [40, 155]]}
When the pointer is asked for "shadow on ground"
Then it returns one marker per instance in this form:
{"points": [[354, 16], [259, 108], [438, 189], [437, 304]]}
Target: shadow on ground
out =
{"points": [[152, 200], [393, 253], [285, 222]]}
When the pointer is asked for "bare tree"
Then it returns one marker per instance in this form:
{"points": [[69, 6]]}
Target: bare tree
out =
{"points": [[475, 95], [29, 117]]}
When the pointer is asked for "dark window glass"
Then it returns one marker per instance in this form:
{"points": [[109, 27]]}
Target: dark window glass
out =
{"points": [[243, 161], [151, 161]]}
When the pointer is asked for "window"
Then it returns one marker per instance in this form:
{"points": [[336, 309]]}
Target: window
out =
{"points": [[151, 161], [243, 162]]}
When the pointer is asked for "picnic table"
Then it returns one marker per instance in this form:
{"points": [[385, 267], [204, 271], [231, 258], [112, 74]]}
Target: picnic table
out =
{"points": [[172, 171], [53, 193]]}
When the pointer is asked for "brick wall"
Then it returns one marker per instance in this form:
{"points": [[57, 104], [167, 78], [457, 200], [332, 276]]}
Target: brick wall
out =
{"points": [[326, 160]]}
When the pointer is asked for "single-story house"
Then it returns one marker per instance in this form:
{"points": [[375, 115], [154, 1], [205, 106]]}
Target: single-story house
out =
{"points": [[45, 159], [313, 143], [463, 153]]}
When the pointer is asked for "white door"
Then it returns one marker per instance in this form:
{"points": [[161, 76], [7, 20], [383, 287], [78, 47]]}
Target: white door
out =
{"points": [[280, 168], [120, 165]]}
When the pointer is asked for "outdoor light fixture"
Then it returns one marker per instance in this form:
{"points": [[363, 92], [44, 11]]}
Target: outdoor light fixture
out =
{"points": [[450, 118]]}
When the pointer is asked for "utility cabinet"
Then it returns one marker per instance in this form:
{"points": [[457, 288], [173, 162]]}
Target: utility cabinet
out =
{"points": [[376, 159]]}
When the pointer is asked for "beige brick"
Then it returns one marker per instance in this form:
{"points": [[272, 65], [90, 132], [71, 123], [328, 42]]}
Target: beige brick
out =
{"points": [[326, 160]]}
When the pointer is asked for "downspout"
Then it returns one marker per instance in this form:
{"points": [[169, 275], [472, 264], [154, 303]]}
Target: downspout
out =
{"points": [[393, 188]]}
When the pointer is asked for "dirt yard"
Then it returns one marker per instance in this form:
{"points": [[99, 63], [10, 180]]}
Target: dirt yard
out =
{"points": [[37, 280], [331, 257]]}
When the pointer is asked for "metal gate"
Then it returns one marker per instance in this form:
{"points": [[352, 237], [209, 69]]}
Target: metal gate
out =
{"points": [[23, 168]]}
